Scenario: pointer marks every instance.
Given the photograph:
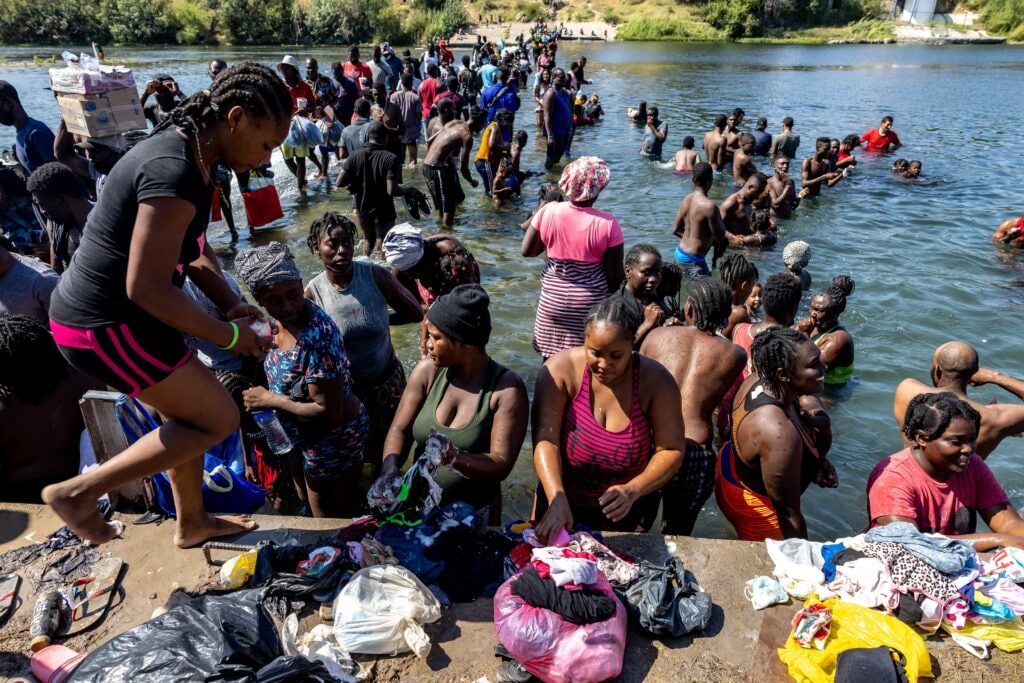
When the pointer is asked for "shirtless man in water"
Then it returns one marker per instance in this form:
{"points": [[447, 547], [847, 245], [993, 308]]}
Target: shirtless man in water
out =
{"points": [[686, 158], [817, 170], [714, 144], [782, 190], [704, 365], [742, 165], [732, 134], [698, 226], [739, 206], [954, 368], [451, 138]]}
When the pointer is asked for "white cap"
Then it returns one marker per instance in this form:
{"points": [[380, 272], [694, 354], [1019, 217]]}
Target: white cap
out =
{"points": [[290, 61]]}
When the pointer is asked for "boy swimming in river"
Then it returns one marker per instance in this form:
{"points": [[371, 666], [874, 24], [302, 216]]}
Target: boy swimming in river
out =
{"points": [[900, 166], [686, 158], [913, 170]]}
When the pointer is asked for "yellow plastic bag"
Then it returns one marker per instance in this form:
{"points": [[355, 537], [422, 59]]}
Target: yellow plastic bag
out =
{"points": [[854, 626], [237, 571], [1008, 636]]}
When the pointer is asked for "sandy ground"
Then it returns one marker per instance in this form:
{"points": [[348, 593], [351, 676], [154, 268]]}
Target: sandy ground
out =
{"points": [[739, 643]]}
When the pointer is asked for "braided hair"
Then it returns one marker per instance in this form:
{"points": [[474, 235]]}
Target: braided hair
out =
{"points": [[835, 295], [638, 251], [780, 295], [250, 85], [736, 269], [930, 414], [324, 225], [613, 311], [775, 349], [711, 300], [31, 367]]}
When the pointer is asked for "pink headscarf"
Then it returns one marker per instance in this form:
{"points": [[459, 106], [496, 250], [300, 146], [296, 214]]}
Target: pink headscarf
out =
{"points": [[584, 178]]}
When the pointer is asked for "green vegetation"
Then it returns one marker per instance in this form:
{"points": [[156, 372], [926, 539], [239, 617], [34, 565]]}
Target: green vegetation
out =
{"points": [[643, 28], [756, 18], [334, 22], [238, 22], [1002, 17]]}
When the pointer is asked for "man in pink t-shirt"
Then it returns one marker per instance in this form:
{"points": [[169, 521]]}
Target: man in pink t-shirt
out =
{"points": [[883, 139]]}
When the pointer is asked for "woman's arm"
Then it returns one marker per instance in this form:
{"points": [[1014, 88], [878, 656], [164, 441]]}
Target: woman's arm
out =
{"points": [[550, 399], [780, 449], [206, 272], [532, 245], [328, 404], [739, 314], [508, 431], [399, 436], [160, 227], [614, 272], [832, 346], [1007, 528], [659, 393], [405, 308]]}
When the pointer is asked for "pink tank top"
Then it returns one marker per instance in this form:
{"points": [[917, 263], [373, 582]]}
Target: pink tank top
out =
{"points": [[594, 458]]}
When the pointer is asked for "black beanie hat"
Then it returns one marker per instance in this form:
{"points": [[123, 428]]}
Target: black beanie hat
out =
{"points": [[462, 315]]}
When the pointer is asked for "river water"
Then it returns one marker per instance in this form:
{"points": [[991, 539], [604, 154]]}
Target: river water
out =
{"points": [[925, 269]]}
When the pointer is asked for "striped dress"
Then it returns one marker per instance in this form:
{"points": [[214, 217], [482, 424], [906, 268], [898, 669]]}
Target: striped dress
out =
{"points": [[573, 280]]}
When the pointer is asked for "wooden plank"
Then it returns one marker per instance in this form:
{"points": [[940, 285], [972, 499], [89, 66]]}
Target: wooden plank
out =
{"points": [[100, 414]]}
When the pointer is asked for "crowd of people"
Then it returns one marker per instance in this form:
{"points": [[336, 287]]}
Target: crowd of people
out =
{"points": [[107, 279]]}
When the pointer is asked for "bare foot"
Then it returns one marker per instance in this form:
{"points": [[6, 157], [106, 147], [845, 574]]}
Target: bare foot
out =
{"points": [[80, 514], [212, 527], [318, 175]]}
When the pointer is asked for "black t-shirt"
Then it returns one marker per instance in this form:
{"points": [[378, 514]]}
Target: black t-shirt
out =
{"points": [[370, 168], [93, 290]]}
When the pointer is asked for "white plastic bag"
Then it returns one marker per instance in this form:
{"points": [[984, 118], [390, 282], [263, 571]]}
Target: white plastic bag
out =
{"points": [[380, 610], [320, 645]]}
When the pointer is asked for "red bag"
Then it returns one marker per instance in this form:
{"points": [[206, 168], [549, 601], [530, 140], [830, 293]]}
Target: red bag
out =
{"points": [[262, 205]]}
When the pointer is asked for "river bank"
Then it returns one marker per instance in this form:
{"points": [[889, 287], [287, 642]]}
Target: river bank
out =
{"points": [[739, 643]]}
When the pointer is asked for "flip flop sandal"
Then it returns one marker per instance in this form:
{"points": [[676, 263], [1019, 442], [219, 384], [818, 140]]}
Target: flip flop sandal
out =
{"points": [[90, 598], [9, 584]]}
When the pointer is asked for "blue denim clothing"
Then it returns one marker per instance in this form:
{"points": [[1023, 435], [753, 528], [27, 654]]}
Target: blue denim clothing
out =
{"points": [[945, 554]]}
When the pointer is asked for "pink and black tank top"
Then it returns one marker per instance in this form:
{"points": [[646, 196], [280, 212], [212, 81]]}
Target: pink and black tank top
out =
{"points": [[594, 458]]}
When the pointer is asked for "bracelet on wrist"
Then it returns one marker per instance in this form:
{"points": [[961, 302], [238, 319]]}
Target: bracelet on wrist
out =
{"points": [[234, 337]]}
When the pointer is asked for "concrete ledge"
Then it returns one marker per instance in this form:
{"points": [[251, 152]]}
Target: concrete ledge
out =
{"points": [[738, 645]]}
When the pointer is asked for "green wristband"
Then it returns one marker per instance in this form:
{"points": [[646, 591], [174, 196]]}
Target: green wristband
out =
{"points": [[234, 337]]}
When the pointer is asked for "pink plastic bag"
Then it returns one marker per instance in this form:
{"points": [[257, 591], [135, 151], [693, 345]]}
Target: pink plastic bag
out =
{"points": [[554, 650]]}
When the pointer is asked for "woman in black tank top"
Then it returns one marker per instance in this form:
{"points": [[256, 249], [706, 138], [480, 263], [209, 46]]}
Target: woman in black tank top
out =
{"points": [[777, 458]]}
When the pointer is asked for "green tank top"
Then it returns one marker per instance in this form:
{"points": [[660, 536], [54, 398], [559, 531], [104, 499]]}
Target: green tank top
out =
{"points": [[840, 374], [474, 437]]}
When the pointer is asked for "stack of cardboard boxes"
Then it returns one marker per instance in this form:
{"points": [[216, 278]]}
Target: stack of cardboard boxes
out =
{"points": [[97, 101]]}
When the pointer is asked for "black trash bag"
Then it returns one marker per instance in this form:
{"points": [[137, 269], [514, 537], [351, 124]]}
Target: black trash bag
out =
{"points": [[667, 601], [294, 669], [209, 638], [275, 570]]}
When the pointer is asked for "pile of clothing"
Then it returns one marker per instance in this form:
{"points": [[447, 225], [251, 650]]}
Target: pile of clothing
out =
{"points": [[927, 581], [557, 616]]}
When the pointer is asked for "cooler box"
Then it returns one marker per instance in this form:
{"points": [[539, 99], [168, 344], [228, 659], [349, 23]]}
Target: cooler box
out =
{"points": [[116, 111]]}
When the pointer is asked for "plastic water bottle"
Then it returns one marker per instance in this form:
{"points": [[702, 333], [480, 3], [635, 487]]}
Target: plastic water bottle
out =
{"points": [[276, 437], [45, 619]]}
